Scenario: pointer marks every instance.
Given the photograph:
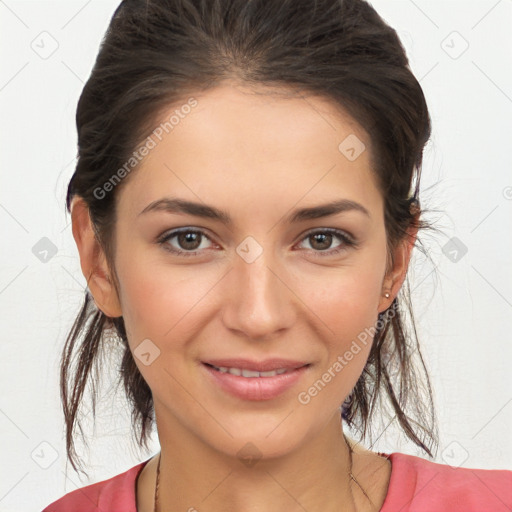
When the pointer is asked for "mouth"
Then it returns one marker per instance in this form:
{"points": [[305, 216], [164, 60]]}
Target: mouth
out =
{"points": [[243, 372], [248, 383]]}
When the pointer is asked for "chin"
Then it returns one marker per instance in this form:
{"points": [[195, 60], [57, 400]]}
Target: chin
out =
{"points": [[264, 441]]}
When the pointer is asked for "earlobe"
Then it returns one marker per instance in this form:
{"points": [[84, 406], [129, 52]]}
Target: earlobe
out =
{"points": [[93, 260], [397, 273]]}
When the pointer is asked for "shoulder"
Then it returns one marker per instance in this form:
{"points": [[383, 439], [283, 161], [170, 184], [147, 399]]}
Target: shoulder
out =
{"points": [[420, 485], [116, 493]]}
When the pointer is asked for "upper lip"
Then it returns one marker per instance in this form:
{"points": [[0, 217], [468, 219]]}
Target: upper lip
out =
{"points": [[259, 366]]}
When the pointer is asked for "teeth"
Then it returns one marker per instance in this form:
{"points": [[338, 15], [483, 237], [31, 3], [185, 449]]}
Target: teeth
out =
{"points": [[250, 373], [273, 372]]}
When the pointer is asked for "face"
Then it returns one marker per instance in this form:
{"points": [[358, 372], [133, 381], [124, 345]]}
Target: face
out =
{"points": [[259, 281]]}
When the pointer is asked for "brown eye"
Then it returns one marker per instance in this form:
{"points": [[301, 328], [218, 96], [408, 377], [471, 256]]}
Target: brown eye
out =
{"points": [[321, 241], [184, 242], [188, 240]]}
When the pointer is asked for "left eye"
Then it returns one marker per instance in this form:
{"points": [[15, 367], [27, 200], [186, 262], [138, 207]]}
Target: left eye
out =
{"points": [[323, 239], [190, 240]]}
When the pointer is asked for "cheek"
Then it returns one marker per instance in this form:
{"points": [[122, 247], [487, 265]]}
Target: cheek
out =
{"points": [[347, 304], [348, 314], [158, 300], [347, 300], [152, 302], [158, 304]]}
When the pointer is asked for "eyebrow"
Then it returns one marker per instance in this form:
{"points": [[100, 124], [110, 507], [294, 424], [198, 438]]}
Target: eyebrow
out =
{"points": [[175, 205]]}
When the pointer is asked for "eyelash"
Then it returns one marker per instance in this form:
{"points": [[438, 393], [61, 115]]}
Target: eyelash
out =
{"points": [[348, 241]]}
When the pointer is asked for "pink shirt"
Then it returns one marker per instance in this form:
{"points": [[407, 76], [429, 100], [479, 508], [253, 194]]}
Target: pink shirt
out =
{"points": [[416, 485]]}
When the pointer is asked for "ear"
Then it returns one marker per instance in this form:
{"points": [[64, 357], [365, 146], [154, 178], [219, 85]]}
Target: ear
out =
{"points": [[395, 276], [93, 260]]}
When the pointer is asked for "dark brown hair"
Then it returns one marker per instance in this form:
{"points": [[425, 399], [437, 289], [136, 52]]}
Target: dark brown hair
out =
{"points": [[157, 53]]}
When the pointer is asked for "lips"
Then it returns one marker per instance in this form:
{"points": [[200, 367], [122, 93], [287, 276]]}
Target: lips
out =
{"points": [[255, 380], [250, 373], [266, 365]]}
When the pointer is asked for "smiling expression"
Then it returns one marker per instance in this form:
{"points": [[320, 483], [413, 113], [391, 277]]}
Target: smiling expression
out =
{"points": [[247, 233]]}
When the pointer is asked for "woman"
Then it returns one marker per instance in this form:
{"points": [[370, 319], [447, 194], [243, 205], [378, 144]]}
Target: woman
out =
{"points": [[245, 205]]}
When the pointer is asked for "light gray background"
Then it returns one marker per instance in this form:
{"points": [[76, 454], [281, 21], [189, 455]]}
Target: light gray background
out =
{"points": [[463, 316]]}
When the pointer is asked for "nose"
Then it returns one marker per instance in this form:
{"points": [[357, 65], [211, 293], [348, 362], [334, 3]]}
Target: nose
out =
{"points": [[259, 301]]}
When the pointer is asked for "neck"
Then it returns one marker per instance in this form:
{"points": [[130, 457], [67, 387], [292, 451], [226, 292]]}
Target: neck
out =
{"points": [[315, 477]]}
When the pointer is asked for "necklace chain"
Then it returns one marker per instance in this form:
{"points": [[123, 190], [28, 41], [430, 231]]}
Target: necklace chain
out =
{"points": [[157, 482], [158, 478]]}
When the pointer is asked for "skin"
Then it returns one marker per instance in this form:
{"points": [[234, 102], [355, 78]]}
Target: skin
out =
{"points": [[258, 157]]}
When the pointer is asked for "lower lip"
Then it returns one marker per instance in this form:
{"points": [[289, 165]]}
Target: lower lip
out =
{"points": [[256, 388]]}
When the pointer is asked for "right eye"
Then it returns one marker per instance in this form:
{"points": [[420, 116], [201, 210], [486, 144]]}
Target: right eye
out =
{"points": [[187, 241]]}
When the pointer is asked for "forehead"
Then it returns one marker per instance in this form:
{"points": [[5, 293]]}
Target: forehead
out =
{"points": [[261, 144], [263, 121]]}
